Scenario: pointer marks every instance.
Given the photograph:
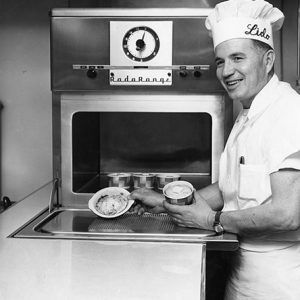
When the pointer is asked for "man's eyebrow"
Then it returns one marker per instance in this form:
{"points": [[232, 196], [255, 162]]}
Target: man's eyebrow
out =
{"points": [[234, 54], [237, 54], [217, 58]]}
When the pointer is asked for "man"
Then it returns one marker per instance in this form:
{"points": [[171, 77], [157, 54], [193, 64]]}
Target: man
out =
{"points": [[258, 192]]}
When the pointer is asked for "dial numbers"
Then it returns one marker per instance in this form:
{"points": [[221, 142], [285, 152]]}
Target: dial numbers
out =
{"points": [[141, 44]]}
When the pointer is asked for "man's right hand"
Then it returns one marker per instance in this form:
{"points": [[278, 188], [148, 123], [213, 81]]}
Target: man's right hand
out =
{"points": [[147, 200]]}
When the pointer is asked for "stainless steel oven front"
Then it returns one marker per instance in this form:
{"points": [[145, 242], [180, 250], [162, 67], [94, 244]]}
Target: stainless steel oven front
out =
{"points": [[134, 91]]}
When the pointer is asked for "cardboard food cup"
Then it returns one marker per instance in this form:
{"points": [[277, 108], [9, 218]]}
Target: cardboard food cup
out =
{"points": [[164, 178], [145, 180], [119, 180], [179, 192]]}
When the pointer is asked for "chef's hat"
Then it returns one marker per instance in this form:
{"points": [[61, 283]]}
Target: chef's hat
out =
{"points": [[250, 19]]}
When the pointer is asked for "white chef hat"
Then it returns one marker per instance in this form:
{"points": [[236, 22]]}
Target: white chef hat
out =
{"points": [[251, 19]]}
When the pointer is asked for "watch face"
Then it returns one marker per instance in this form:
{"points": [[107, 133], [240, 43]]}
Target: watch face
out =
{"points": [[141, 43], [218, 228]]}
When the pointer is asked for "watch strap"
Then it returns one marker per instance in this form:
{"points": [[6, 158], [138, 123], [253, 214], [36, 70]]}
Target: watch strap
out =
{"points": [[219, 229], [217, 218]]}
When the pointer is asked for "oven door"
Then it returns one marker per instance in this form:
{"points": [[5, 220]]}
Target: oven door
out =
{"points": [[101, 134]]}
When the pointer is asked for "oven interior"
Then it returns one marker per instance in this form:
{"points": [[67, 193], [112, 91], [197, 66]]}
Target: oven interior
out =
{"points": [[131, 142]]}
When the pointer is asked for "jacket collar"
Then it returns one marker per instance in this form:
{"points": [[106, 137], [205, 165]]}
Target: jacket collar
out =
{"points": [[264, 98]]}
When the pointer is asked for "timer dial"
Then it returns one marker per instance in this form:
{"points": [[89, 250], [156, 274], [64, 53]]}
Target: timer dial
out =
{"points": [[141, 44]]}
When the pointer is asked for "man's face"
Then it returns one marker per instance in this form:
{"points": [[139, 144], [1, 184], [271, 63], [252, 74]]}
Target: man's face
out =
{"points": [[241, 69]]}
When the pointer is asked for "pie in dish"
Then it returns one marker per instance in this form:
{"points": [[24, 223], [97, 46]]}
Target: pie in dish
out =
{"points": [[110, 205], [110, 202]]}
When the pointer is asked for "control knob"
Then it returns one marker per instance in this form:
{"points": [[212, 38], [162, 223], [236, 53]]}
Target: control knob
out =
{"points": [[197, 73], [183, 73], [91, 73]]}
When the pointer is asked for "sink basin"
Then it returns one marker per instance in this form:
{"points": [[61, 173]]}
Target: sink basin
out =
{"points": [[84, 224]]}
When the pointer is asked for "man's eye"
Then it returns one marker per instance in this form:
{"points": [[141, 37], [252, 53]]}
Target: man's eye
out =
{"points": [[219, 63], [237, 58]]}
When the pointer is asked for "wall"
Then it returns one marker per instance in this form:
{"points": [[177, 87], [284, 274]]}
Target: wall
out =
{"points": [[290, 47], [26, 154]]}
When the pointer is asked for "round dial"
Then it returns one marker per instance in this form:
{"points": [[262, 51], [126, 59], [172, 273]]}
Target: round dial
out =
{"points": [[141, 43]]}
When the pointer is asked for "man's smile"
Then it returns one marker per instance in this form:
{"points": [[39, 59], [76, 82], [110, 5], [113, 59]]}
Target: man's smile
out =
{"points": [[232, 83]]}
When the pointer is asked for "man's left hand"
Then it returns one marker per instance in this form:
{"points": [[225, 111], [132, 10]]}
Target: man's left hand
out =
{"points": [[196, 215]]}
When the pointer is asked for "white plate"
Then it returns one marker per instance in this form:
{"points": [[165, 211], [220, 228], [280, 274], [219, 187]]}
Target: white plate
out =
{"points": [[109, 192]]}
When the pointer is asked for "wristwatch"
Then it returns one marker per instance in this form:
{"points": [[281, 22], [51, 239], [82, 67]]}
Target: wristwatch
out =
{"points": [[219, 229]]}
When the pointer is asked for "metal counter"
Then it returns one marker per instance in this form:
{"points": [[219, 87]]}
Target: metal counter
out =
{"points": [[84, 224]]}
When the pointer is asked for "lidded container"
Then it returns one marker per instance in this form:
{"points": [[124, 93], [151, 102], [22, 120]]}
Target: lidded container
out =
{"points": [[164, 178], [119, 180], [179, 192], [143, 180]]}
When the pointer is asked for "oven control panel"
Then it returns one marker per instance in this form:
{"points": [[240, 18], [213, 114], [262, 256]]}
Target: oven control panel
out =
{"points": [[142, 75], [126, 50]]}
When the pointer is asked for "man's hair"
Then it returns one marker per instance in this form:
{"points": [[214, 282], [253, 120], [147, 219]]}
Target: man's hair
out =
{"points": [[264, 48], [261, 45]]}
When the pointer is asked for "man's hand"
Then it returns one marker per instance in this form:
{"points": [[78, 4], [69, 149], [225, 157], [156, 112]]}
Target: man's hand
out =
{"points": [[147, 200], [197, 215]]}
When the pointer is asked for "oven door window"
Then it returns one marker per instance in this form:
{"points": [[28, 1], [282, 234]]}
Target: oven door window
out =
{"points": [[108, 142]]}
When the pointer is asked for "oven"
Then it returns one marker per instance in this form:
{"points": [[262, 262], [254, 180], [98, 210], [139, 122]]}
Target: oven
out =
{"points": [[103, 134], [134, 91]]}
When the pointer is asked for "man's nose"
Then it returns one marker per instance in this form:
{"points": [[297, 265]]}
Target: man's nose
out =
{"points": [[228, 69]]}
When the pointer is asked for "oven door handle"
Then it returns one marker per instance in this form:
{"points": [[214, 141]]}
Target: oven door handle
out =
{"points": [[54, 192]]}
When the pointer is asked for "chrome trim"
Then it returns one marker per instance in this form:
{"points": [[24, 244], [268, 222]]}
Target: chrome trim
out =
{"points": [[134, 12], [54, 192]]}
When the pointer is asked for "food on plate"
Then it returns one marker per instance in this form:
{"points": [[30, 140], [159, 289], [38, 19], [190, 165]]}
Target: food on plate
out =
{"points": [[110, 202], [110, 205]]}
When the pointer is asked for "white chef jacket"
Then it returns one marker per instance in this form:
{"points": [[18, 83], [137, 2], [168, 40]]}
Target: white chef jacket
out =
{"points": [[264, 139]]}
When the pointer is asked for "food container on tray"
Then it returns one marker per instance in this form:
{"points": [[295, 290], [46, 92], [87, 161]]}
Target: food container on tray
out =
{"points": [[119, 180], [164, 178], [143, 180], [179, 192]]}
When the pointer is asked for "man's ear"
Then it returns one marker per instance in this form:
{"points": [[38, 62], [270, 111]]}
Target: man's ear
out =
{"points": [[269, 59]]}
